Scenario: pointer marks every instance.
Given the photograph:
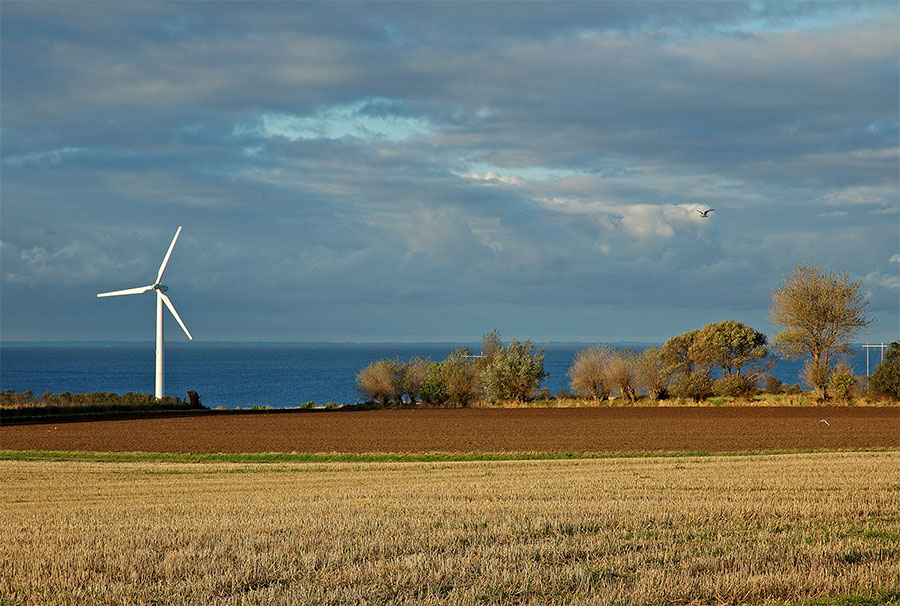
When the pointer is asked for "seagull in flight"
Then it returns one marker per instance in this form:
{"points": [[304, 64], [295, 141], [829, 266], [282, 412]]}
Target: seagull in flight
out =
{"points": [[705, 213]]}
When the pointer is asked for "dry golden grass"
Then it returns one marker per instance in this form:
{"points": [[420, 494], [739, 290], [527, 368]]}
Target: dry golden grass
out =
{"points": [[800, 399], [707, 530]]}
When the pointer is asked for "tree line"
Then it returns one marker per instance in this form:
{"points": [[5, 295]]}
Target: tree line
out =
{"points": [[819, 314], [510, 372]]}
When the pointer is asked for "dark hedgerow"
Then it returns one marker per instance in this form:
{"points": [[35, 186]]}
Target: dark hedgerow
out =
{"points": [[26, 404]]}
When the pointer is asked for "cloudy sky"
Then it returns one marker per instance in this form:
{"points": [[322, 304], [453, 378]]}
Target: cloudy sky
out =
{"points": [[432, 171]]}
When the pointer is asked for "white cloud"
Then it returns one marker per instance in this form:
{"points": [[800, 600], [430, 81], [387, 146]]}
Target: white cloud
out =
{"points": [[365, 119], [518, 174], [646, 222], [886, 280], [501, 158], [884, 195], [60, 265], [494, 177]]}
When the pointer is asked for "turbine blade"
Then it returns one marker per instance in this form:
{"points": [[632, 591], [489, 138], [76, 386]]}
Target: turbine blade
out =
{"points": [[165, 262], [127, 291], [174, 313]]}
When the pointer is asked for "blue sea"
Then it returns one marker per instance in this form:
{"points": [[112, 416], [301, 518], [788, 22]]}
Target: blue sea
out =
{"points": [[235, 375]]}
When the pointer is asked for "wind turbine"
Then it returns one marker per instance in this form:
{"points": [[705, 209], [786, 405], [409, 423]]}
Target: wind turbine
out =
{"points": [[161, 299]]}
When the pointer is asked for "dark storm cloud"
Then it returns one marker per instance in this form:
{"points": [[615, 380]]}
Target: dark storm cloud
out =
{"points": [[523, 157]]}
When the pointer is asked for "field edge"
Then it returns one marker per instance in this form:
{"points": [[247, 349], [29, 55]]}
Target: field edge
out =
{"points": [[383, 457]]}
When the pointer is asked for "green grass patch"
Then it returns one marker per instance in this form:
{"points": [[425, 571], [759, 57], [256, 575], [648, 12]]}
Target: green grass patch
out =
{"points": [[376, 457], [882, 535], [278, 457], [882, 598]]}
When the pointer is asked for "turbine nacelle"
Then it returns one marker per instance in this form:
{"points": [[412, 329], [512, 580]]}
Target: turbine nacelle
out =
{"points": [[158, 286]]}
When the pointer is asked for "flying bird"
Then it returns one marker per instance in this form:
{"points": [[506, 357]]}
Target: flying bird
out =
{"points": [[705, 213], [827, 424]]}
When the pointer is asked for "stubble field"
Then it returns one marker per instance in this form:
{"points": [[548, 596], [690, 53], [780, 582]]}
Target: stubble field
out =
{"points": [[817, 528], [762, 529]]}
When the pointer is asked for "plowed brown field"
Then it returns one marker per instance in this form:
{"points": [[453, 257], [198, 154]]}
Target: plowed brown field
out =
{"points": [[595, 430]]}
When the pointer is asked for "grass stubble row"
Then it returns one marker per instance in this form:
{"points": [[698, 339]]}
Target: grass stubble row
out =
{"points": [[763, 529]]}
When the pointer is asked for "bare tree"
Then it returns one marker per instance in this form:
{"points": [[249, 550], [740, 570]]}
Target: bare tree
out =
{"points": [[652, 374], [586, 372], [620, 373], [382, 380], [820, 313]]}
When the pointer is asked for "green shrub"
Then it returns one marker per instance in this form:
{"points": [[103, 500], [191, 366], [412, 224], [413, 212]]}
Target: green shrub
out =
{"points": [[734, 385], [886, 378], [513, 373], [308, 405], [695, 385], [460, 378], [193, 398], [68, 403], [841, 383], [433, 390], [26, 399], [774, 385], [793, 390], [414, 373]]}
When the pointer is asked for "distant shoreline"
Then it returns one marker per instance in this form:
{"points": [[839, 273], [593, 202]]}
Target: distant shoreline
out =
{"points": [[199, 343], [242, 375]]}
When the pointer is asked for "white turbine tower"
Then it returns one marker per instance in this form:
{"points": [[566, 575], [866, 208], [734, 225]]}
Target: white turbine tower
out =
{"points": [[161, 299]]}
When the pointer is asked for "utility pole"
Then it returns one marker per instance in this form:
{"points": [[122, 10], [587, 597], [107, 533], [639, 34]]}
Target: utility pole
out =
{"points": [[867, 347]]}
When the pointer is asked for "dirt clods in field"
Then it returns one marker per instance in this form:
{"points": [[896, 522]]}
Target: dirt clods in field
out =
{"points": [[475, 430]]}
